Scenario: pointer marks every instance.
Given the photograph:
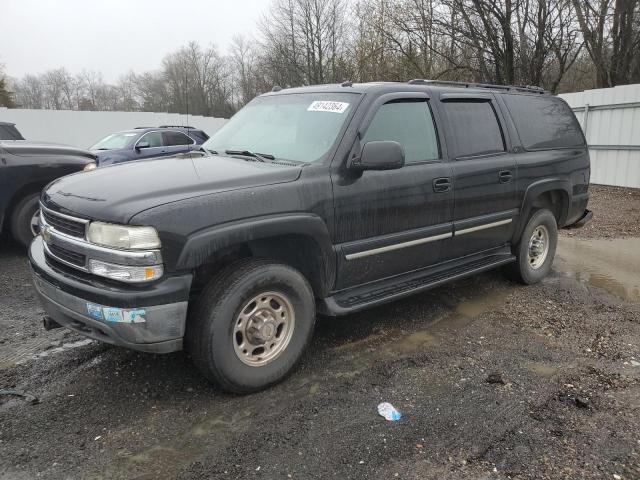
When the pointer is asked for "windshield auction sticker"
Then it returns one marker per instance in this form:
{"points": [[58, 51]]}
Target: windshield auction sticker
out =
{"points": [[326, 106]]}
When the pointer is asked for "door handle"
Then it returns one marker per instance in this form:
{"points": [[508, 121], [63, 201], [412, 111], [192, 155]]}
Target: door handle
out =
{"points": [[505, 176], [442, 184]]}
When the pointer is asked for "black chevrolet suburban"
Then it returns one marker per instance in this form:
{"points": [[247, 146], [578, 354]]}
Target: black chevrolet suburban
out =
{"points": [[331, 198]]}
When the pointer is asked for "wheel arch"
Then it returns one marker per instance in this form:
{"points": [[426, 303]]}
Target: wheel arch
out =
{"points": [[299, 240], [18, 195], [553, 194]]}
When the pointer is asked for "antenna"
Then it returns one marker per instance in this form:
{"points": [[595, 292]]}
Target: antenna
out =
{"points": [[186, 98]]}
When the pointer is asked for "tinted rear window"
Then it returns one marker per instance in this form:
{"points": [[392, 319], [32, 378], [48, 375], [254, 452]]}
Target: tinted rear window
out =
{"points": [[544, 122], [9, 132], [176, 138], [475, 128]]}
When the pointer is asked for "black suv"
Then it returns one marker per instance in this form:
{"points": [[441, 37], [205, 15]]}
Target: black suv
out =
{"points": [[25, 168], [332, 198]]}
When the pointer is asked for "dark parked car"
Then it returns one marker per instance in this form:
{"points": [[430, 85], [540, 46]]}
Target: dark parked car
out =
{"points": [[25, 168], [8, 131], [143, 142], [333, 198]]}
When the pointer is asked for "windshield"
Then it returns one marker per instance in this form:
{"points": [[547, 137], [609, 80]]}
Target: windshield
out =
{"points": [[116, 140], [298, 127]]}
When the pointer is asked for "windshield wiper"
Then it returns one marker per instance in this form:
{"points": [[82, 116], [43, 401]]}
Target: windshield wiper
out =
{"points": [[261, 157]]}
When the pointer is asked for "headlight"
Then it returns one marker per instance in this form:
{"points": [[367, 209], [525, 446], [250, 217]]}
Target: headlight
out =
{"points": [[90, 166], [125, 273], [123, 236]]}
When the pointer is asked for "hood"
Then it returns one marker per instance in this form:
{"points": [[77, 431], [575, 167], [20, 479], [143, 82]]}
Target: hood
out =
{"points": [[30, 149], [117, 193], [105, 157]]}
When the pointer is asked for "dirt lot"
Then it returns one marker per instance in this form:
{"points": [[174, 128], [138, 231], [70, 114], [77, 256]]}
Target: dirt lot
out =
{"points": [[494, 380]]}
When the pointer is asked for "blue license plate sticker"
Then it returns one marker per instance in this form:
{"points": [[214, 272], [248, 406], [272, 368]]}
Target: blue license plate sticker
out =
{"points": [[117, 315], [95, 311], [138, 315]]}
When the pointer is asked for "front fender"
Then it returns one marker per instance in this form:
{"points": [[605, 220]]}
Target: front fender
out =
{"points": [[204, 243]]}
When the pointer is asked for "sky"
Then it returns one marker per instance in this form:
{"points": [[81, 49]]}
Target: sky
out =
{"points": [[115, 36]]}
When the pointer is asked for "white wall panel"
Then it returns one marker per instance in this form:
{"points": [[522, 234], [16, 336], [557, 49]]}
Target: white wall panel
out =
{"points": [[613, 126], [83, 129]]}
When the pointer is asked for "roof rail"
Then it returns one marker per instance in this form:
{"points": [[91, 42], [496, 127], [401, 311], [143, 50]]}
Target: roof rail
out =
{"points": [[176, 126], [450, 83], [141, 128]]}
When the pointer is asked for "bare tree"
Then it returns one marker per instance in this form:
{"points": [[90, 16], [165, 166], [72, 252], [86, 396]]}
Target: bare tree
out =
{"points": [[611, 32]]}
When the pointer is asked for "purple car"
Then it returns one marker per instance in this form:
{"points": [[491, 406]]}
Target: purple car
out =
{"points": [[147, 142]]}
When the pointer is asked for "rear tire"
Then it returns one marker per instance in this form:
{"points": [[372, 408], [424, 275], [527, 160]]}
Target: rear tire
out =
{"points": [[251, 324], [537, 247], [24, 214]]}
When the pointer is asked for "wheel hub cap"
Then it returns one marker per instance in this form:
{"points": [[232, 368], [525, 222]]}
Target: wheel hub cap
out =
{"points": [[538, 247], [263, 328]]}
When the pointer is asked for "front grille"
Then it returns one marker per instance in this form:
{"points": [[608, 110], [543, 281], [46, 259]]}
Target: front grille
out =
{"points": [[67, 255], [64, 224]]}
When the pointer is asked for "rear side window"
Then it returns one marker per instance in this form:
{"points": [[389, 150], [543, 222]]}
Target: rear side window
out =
{"points": [[475, 128], [544, 122], [176, 138], [408, 123], [9, 132]]}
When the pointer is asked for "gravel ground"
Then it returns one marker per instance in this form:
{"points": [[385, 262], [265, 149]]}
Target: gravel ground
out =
{"points": [[616, 210], [494, 380]]}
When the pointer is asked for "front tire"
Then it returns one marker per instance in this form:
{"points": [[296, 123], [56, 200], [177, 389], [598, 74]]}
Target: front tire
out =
{"points": [[251, 324], [24, 220], [537, 247]]}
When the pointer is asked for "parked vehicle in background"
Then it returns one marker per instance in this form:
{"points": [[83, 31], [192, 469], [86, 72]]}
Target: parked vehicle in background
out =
{"points": [[8, 131], [25, 168], [145, 142], [335, 197]]}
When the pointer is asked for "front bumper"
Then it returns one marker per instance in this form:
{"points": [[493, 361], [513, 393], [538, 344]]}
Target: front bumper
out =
{"points": [[138, 320]]}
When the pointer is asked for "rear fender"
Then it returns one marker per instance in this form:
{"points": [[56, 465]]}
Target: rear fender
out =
{"points": [[533, 192]]}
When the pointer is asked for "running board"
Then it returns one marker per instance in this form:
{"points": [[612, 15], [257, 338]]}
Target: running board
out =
{"points": [[362, 297]]}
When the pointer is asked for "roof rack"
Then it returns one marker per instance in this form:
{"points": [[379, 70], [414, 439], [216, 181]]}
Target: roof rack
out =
{"points": [[450, 83], [176, 126], [141, 128]]}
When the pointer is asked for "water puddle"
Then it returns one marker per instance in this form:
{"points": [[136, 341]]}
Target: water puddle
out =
{"points": [[613, 265], [481, 303], [545, 370]]}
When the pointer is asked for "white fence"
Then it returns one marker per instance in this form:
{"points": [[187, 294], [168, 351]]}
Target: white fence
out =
{"points": [[83, 129], [610, 118]]}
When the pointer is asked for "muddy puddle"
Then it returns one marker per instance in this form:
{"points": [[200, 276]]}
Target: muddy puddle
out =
{"points": [[613, 265]]}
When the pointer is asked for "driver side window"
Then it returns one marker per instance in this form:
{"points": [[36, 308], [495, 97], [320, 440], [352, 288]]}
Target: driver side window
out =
{"points": [[411, 125], [154, 139]]}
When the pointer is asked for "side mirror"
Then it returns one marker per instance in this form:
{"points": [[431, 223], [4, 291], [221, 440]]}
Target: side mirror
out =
{"points": [[140, 145], [379, 155]]}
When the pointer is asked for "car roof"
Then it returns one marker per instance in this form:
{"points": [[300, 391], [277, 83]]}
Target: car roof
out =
{"points": [[417, 85], [143, 130]]}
